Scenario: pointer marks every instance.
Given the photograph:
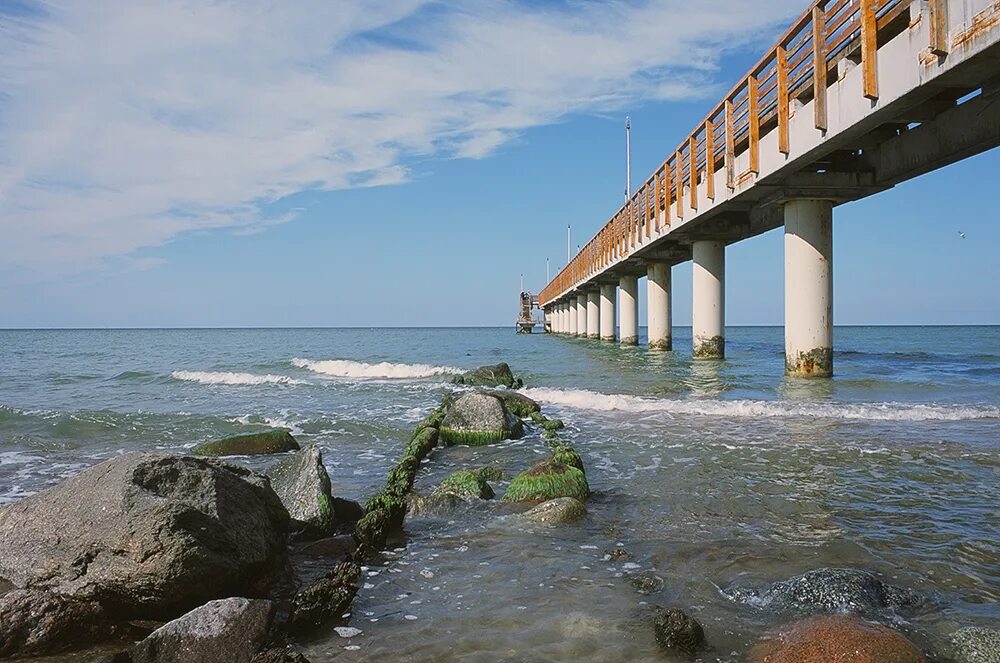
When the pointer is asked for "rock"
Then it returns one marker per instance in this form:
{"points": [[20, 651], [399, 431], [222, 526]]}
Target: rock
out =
{"points": [[493, 473], [334, 547], [975, 644], [499, 375], [677, 633], [477, 418], [568, 456], [830, 638], [228, 630], [434, 505], [466, 484], [647, 582], [556, 512], [519, 404], [303, 485], [34, 622], [253, 444], [347, 511], [287, 654], [547, 480], [148, 535], [549, 425], [830, 590], [326, 600]]}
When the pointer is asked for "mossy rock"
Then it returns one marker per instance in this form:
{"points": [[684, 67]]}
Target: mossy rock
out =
{"points": [[253, 444], [401, 477], [479, 418], [519, 404], [549, 425], [466, 483], [493, 473], [423, 441], [498, 375], [547, 480], [393, 506], [568, 456]]}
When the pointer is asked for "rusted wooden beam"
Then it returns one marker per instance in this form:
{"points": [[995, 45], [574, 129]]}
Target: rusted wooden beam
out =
{"points": [[730, 147], [781, 62], [819, 66], [693, 170], [710, 160], [679, 168], [869, 48], [753, 95], [667, 183], [939, 27]]}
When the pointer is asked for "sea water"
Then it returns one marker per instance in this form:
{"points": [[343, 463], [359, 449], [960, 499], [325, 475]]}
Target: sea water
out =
{"points": [[708, 473]]}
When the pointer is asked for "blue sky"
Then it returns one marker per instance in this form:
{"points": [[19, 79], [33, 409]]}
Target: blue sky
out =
{"points": [[398, 163]]}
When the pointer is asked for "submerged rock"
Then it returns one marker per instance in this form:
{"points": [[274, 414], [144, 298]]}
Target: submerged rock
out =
{"points": [[830, 638], [499, 375], [479, 418], [287, 654], [253, 444], [326, 600], [466, 484], [559, 511], [647, 582], [975, 644], [493, 473], [302, 483], [229, 630], [433, 505], [147, 535], [547, 480], [677, 633], [34, 622], [829, 590]]}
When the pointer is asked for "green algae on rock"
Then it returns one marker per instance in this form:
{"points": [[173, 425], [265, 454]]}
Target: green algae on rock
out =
{"points": [[499, 375], [253, 444], [477, 418], [493, 473], [547, 480], [568, 456], [466, 483], [519, 404]]}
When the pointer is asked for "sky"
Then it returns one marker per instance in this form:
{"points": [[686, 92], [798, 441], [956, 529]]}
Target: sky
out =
{"points": [[399, 162]]}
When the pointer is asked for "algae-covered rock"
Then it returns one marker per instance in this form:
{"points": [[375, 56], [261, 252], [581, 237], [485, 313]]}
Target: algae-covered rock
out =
{"points": [[326, 600], [559, 511], [253, 444], [466, 483], [548, 425], [568, 456], [499, 375], [547, 480], [478, 418], [422, 442], [678, 633], [976, 644], [519, 404], [493, 473], [303, 485]]}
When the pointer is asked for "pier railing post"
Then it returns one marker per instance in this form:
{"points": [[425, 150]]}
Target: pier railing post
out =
{"points": [[629, 306], [809, 288], [709, 299], [658, 305]]}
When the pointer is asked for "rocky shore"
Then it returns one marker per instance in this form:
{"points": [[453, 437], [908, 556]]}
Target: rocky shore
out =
{"points": [[164, 558]]}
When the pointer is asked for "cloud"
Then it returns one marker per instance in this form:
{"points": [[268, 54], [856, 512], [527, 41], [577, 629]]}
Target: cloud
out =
{"points": [[128, 122]]}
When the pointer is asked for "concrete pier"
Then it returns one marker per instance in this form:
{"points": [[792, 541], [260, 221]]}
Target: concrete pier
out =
{"points": [[609, 296], [658, 306], [809, 288], [708, 320], [594, 314], [629, 306], [581, 315], [571, 316]]}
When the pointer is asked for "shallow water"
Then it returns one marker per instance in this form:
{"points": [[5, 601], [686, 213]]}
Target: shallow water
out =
{"points": [[707, 473]]}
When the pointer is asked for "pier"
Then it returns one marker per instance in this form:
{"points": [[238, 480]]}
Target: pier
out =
{"points": [[854, 98]]}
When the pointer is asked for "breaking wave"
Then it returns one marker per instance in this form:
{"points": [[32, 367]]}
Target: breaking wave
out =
{"points": [[210, 377], [343, 368], [589, 400]]}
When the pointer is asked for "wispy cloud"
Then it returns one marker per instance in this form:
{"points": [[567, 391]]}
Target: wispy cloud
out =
{"points": [[125, 123]]}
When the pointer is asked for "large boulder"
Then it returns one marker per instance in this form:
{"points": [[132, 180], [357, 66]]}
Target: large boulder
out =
{"points": [[34, 622], [976, 644], [547, 480], [253, 444], [677, 633], [478, 418], [147, 535], [303, 485], [830, 638], [499, 375], [830, 590], [226, 631]]}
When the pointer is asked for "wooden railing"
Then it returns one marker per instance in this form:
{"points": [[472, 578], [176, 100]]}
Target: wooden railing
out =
{"points": [[829, 31]]}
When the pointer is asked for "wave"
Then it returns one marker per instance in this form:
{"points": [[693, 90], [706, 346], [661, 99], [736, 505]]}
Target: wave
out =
{"points": [[589, 400], [343, 368], [209, 377]]}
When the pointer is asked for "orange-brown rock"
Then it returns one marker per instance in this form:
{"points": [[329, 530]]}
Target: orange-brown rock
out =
{"points": [[834, 639]]}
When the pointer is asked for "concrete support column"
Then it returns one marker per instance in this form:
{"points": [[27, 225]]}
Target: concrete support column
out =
{"points": [[581, 315], [809, 288], [571, 316], [658, 305], [609, 295], [629, 310], [709, 307], [559, 318], [593, 314]]}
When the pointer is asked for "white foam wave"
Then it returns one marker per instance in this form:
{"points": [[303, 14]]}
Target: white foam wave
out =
{"points": [[210, 377], [343, 368], [589, 400]]}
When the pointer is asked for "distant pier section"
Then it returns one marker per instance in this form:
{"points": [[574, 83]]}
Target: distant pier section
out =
{"points": [[854, 98]]}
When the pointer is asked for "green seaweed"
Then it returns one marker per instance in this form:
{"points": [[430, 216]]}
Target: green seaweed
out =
{"points": [[453, 437], [545, 481], [252, 444], [492, 473], [568, 456], [466, 483]]}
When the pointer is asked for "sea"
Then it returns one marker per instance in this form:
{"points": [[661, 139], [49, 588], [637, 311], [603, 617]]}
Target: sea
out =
{"points": [[710, 474]]}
